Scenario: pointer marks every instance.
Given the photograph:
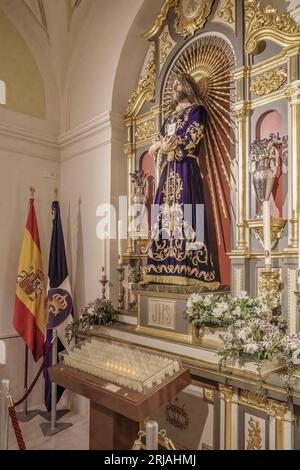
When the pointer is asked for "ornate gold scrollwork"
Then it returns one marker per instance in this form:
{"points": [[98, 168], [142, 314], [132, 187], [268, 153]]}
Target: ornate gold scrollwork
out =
{"points": [[269, 82], [226, 12], [254, 435], [208, 395], [145, 90], [191, 15], [145, 130], [154, 30], [277, 228], [166, 45], [269, 286], [272, 407], [267, 23]]}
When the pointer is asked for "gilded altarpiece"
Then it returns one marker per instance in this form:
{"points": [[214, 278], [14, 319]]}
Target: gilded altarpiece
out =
{"points": [[255, 50]]}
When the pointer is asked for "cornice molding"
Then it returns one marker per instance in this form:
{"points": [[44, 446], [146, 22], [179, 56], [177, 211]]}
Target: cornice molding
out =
{"points": [[104, 129], [28, 142], [29, 135]]}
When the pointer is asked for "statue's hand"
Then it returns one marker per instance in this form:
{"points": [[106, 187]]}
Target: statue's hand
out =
{"points": [[169, 144], [154, 149]]}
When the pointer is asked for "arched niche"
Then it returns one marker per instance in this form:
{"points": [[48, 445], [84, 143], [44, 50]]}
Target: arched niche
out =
{"points": [[271, 122]]}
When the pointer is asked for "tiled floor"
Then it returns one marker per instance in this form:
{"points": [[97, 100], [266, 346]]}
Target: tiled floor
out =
{"points": [[74, 438]]}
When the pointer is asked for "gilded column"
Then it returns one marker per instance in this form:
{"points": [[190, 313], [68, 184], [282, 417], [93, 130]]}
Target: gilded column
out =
{"points": [[293, 94], [130, 153], [279, 410], [241, 113], [226, 417]]}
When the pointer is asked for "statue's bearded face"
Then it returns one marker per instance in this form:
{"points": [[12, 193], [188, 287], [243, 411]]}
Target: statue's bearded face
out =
{"points": [[177, 91]]}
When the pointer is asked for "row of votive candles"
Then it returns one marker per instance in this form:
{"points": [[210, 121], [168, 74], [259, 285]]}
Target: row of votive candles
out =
{"points": [[130, 368], [131, 361]]}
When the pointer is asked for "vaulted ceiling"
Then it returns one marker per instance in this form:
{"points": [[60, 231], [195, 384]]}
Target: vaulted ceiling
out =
{"points": [[37, 8], [54, 24]]}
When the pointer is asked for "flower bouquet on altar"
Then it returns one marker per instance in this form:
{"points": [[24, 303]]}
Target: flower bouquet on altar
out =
{"points": [[211, 315], [98, 312], [290, 354], [253, 346]]}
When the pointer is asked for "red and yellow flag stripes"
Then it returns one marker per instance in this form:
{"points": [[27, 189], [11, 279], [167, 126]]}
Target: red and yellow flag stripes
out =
{"points": [[30, 312]]}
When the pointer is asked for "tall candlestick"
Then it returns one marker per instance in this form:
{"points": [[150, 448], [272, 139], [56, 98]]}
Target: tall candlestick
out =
{"points": [[151, 435], [120, 255], [267, 234]]}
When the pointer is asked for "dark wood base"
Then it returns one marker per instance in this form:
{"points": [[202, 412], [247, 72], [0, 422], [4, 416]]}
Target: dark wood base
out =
{"points": [[115, 415], [110, 430]]}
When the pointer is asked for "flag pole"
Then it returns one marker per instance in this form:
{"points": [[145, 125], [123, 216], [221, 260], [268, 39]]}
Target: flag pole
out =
{"points": [[25, 410], [52, 428], [25, 416], [25, 407]]}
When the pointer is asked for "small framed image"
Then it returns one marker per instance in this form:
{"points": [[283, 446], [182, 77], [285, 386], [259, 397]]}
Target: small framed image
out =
{"points": [[171, 130]]}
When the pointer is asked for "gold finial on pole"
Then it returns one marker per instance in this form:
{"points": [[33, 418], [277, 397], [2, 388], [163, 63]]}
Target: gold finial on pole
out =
{"points": [[56, 194], [32, 191]]}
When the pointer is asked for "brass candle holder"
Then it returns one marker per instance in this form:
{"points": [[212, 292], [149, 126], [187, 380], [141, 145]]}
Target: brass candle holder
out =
{"points": [[104, 281], [121, 270]]}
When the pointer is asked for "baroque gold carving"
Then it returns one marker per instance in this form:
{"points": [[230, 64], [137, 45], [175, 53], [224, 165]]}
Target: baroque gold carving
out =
{"points": [[191, 15], [277, 228], [208, 395], [226, 12], [271, 407], [227, 392], [241, 112], [166, 45], [145, 90], [154, 30], [145, 130], [269, 82], [269, 286], [267, 23], [254, 435]]}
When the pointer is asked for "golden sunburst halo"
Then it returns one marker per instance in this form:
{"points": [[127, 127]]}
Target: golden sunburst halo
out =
{"points": [[210, 61]]}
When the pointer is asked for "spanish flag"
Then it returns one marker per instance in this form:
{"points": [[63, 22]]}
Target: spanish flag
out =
{"points": [[30, 312]]}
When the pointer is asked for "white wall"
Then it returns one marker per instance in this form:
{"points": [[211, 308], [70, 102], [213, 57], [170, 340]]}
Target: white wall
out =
{"points": [[87, 156], [95, 60], [28, 157]]}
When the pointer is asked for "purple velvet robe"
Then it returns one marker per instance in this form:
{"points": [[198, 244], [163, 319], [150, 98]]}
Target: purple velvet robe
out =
{"points": [[177, 255]]}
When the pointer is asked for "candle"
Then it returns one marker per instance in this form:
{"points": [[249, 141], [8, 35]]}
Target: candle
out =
{"points": [[120, 255], [151, 435], [104, 267], [267, 234], [103, 276], [298, 246]]}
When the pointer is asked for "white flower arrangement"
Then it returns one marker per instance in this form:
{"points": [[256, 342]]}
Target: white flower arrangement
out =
{"points": [[250, 331], [261, 340], [223, 311], [257, 338], [290, 354]]}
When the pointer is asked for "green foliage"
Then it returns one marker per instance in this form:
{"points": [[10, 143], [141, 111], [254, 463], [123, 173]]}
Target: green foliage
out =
{"points": [[98, 312]]}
